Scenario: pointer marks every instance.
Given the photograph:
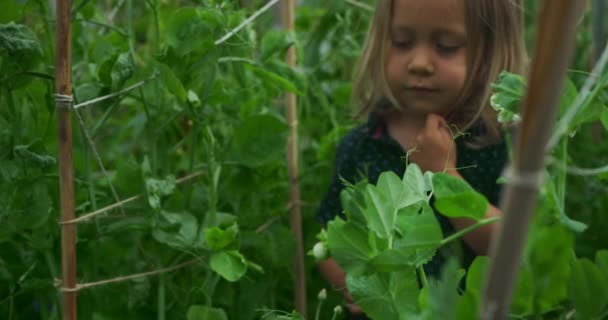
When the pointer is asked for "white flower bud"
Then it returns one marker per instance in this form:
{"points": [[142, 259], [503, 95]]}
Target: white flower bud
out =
{"points": [[319, 251], [338, 310], [322, 295]]}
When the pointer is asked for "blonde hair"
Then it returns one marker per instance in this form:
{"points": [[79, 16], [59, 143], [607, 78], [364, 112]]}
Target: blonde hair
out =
{"points": [[495, 42]]}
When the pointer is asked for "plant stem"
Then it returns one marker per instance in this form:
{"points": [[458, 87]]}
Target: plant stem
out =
{"points": [[11, 302], [562, 174], [213, 174], [152, 4], [318, 311], [130, 27], [468, 229], [422, 274], [334, 315], [161, 297]]}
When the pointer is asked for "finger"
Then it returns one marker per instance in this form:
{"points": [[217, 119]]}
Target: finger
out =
{"points": [[354, 309], [434, 121]]}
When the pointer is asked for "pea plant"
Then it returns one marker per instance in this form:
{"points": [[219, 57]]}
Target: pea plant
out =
{"points": [[389, 231], [178, 141]]}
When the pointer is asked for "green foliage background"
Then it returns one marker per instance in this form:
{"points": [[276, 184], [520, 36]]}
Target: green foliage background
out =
{"points": [[213, 109]]}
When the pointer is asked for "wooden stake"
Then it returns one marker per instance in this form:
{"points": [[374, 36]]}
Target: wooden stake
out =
{"points": [[553, 51], [63, 87], [598, 42], [292, 158]]}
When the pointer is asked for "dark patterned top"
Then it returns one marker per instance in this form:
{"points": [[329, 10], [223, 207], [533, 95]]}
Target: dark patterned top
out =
{"points": [[369, 150]]}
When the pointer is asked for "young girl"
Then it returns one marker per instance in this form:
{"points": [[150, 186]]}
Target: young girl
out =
{"points": [[427, 66]]}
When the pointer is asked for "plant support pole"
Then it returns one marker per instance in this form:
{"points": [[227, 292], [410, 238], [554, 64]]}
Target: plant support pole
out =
{"points": [[63, 87], [554, 47], [292, 167]]}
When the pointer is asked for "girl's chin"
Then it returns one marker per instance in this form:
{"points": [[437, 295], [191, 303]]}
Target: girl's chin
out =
{"points": [[424, 109]]}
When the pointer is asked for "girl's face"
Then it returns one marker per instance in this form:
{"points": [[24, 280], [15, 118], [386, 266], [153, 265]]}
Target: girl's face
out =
{"points": [[425, 65]]}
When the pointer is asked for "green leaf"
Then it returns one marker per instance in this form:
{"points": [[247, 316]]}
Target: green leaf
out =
{"points": [[189, 23], [392, 296], [19, 49], [588, 289], [507, 97], [216, 238], [386, 199], [177, 230], [294, 75], [420, 183], [193, 99], [273, 79], [601, 259], [352, 198], [171, 82], [467, 307], [276, 41], [231, 265], [420, 236], [523, 297], [348, 244], [383, 202], [24, 152], [604, 117], [122, 70], [254, 147], [157, 188], [196, 312], [548, 257], [455, 198], [443, 293], [476, 274]]}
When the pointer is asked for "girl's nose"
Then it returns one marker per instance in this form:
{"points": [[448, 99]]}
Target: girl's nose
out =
{"points": [[421, 61]]}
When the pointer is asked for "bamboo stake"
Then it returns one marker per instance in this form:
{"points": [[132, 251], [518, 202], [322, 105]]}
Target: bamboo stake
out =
{"points": [[292, 158], [598, 41], [63, 88], [555, 43]]}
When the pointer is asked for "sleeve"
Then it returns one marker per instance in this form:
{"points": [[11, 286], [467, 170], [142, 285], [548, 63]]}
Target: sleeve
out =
{"points": [[344, 168]]}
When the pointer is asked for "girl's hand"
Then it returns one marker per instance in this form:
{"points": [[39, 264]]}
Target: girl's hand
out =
{"points": [[435, 149], [353, 309]]}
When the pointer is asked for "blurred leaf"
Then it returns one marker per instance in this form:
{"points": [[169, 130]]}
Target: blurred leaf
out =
{"points": [[19, 49], [186, 24], [588, 289], [216, 238], [508, 92], [177, 230], [254, 147], [273, 79], [157, 188], [231, 265], [24, 153], [171, 82], [196, 312], [455, 198], [276, 41], [601, 259], [122, 70], [548, 256], [604, 117], [442, 293]]}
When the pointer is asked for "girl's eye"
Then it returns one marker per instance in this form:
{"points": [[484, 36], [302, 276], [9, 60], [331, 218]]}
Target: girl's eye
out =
{"points": [[447, 49], [402, 44]]}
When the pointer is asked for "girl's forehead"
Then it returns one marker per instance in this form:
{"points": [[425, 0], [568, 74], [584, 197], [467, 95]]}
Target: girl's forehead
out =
{"points": [[429, 14]]}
